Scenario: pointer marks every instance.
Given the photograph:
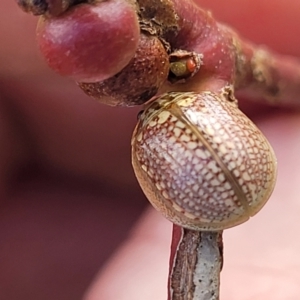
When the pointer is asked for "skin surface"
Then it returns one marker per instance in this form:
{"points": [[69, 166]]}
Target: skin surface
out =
{"points": [[69, 195]]}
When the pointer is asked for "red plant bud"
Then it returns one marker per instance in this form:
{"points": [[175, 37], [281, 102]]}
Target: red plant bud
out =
{"points": [[90, 42]]}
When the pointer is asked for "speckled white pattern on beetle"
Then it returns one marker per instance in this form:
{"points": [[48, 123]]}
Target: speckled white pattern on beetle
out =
{"points": [[201, 162]]}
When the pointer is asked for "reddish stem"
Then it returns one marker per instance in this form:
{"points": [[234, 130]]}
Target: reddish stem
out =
{"points": [[254, 72], [228, 59]]}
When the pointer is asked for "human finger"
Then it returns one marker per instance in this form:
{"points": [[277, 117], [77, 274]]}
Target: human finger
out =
{"points": [[261, 256]]}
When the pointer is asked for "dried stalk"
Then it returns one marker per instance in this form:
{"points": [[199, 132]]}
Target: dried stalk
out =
{"points": [[195, 264]]}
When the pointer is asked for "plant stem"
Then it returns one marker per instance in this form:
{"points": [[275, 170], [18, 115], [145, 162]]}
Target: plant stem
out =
{"points": [[228, 59], [195, 264], [262, 74]]}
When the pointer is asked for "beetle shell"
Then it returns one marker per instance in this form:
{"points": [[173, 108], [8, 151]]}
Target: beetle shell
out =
{"points": [[201, 162]]}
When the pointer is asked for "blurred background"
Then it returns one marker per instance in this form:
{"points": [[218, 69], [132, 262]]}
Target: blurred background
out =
{"points": [[68, 193]]}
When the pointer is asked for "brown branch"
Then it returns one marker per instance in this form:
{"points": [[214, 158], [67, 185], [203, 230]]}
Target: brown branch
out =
{"points": [[195, 264], [260, 73]]}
